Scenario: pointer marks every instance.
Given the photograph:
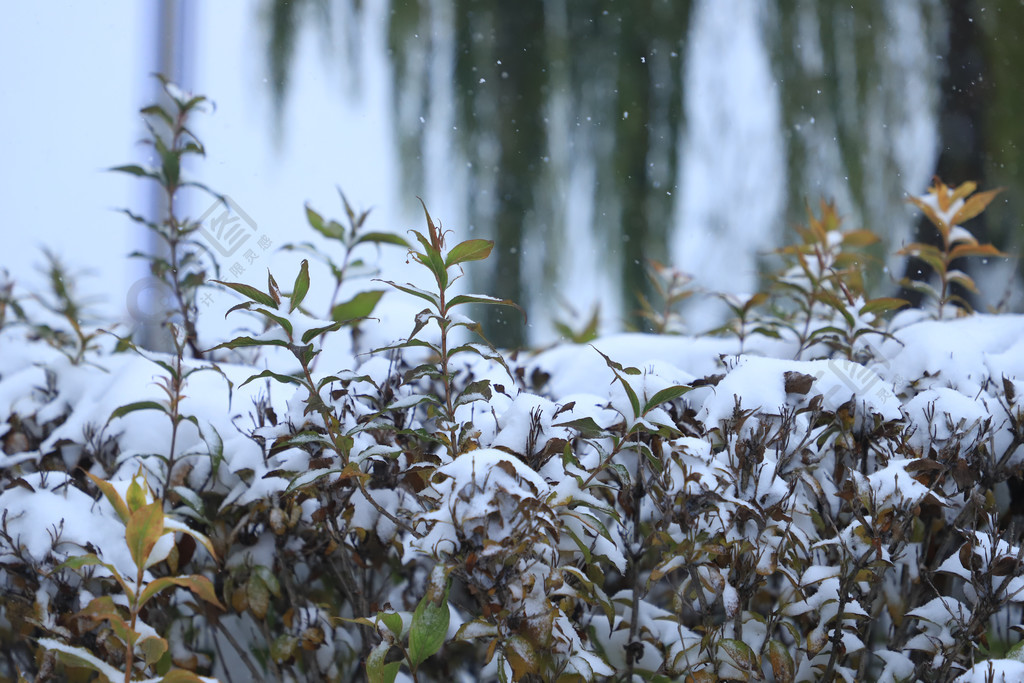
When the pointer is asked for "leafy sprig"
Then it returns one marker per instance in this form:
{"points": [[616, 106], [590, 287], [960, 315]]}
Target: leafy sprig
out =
{"points": [[946, 208], [445, 265]]}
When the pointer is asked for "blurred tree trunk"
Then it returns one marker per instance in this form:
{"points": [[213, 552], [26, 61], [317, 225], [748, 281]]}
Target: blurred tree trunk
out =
{"points": [[965, 93], [647, 129], [521, 83], [876, 96]]}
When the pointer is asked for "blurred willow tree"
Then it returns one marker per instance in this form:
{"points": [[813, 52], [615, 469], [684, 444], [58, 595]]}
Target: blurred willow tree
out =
{"points": [[539, 84]]}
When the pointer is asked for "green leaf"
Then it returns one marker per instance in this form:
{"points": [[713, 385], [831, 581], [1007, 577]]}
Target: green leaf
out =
{"points": [[328, 229], [314, 332], [315, 219], [408, 344], [882, 304], [407, 402], [664, 395], [250, 292], [358, 307], [157, 110], [584, 548], [121, 411], [283, 322], [622, 473], [634, 400], [431, 258], [79, 561], [475, 391], [283, 379], [244, 342], [435, 235], [301, 286], [482, 299], [616, 365], [838, 305], [416, 291], [586, 426], [378, 668], [145, 527], [269, 578], [171, 164], [429, 626], [393, 621], [470, 250], [382, 238], [133, 170]]}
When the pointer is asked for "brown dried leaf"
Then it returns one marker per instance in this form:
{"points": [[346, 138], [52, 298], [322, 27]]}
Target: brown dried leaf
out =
{"points": [[798, 382]]}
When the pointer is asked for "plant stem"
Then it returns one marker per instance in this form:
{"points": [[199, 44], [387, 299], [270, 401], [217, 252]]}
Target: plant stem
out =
{"points": [[333, 431], [449, 407], [129, 654]]}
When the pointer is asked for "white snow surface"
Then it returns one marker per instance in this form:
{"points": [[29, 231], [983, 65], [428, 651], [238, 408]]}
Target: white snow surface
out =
{"points": [[941, 382]]}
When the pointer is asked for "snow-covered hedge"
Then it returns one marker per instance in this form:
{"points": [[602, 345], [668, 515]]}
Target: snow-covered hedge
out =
{"points": [[826, 491]]}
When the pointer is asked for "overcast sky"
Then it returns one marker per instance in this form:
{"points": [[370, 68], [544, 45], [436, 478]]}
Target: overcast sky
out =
{"points": [[75, 76]]}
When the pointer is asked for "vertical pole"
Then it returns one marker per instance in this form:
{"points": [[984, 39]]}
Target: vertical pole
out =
{"points": [[172, 29]]}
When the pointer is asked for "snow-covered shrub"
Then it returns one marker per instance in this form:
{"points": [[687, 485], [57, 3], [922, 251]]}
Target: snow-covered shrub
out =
{"points": [[829, 491]]}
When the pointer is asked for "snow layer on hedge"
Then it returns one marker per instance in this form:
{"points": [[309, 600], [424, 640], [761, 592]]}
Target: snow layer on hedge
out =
{"points": [[941, 381], [760, 384]]}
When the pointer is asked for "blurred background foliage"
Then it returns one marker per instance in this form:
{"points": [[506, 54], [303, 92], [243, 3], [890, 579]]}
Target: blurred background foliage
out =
{"points": [[874, 97]]}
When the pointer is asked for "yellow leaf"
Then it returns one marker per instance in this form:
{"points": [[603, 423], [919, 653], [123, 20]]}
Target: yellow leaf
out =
{"points": [[521, 656], [859, 238], [153, 648], [180, 676], [962, 191], [145, 527], [975, 205], [781, 661], [239, 601], [112, 496], [200, 585], [258, 596], [932, 217], [963, 250], [135, 496]]}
